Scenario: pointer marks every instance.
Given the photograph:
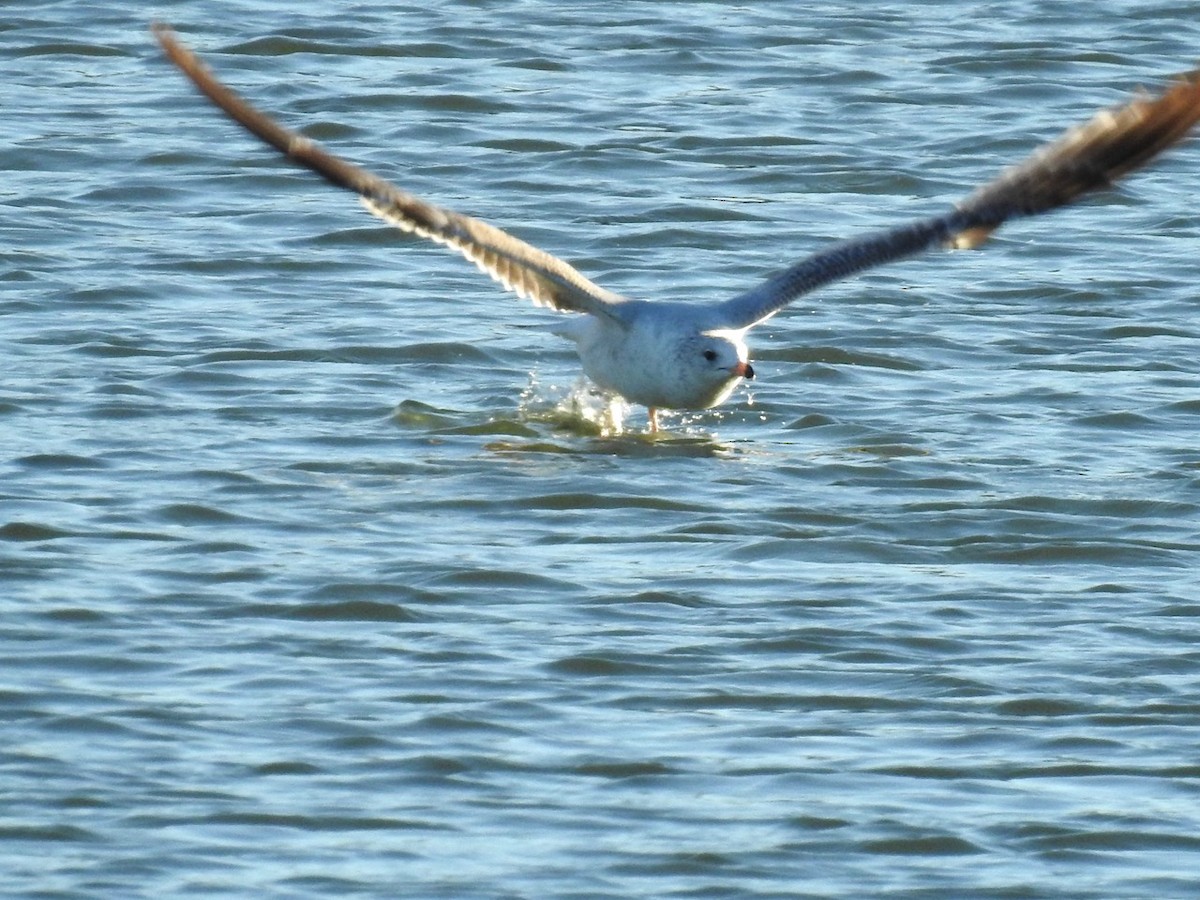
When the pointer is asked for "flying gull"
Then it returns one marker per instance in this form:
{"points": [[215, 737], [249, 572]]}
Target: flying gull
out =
{"points": [[670, 355]]}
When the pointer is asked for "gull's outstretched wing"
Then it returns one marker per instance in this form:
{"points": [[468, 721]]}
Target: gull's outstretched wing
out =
{"points": [[1085, 158], [531, 272]]}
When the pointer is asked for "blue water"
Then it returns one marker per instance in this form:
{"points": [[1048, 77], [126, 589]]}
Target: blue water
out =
{"points": [[320, 579]]}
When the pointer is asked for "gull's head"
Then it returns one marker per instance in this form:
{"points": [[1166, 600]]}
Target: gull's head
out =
{"points": [[712, 364]]}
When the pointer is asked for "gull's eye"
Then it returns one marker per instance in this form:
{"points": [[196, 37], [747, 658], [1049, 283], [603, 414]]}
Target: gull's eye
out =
{"points": [[710, 355]]}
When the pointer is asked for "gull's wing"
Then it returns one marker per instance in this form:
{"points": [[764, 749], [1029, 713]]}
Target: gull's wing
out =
{"points": [[1085, 158], [531, 272]]}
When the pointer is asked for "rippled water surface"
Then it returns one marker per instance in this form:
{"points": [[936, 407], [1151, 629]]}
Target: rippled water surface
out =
{"points": [[321, 579]]}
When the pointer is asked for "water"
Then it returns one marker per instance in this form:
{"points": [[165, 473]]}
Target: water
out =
{"points": [[319, 579]]}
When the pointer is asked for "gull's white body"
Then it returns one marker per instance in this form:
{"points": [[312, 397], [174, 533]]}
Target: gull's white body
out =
{"points": [[692, 356], [661, 355]]}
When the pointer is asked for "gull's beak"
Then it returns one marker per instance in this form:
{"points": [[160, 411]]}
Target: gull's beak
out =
{"points": [[744, 370]]}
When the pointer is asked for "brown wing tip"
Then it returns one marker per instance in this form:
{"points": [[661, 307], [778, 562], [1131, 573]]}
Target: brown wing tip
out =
{"points": [[1088, 157], [187, 62], [165, 35]]}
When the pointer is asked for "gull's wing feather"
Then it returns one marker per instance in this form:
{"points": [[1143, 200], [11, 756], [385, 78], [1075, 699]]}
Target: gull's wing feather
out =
{"points": [[1085, 158], [520, 267]]}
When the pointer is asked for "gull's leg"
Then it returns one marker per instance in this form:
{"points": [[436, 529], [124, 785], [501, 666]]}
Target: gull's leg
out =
{"points": [[653, 419]]}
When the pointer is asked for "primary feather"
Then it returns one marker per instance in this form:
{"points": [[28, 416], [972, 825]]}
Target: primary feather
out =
{"points": [[520, 267], [1085, 158]]}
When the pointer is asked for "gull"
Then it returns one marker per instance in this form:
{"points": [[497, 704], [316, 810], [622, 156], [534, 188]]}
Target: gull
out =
{"points": [[690, 356]]}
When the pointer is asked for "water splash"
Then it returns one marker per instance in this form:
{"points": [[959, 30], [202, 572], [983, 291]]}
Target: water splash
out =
{"points": [[580, 407]]}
